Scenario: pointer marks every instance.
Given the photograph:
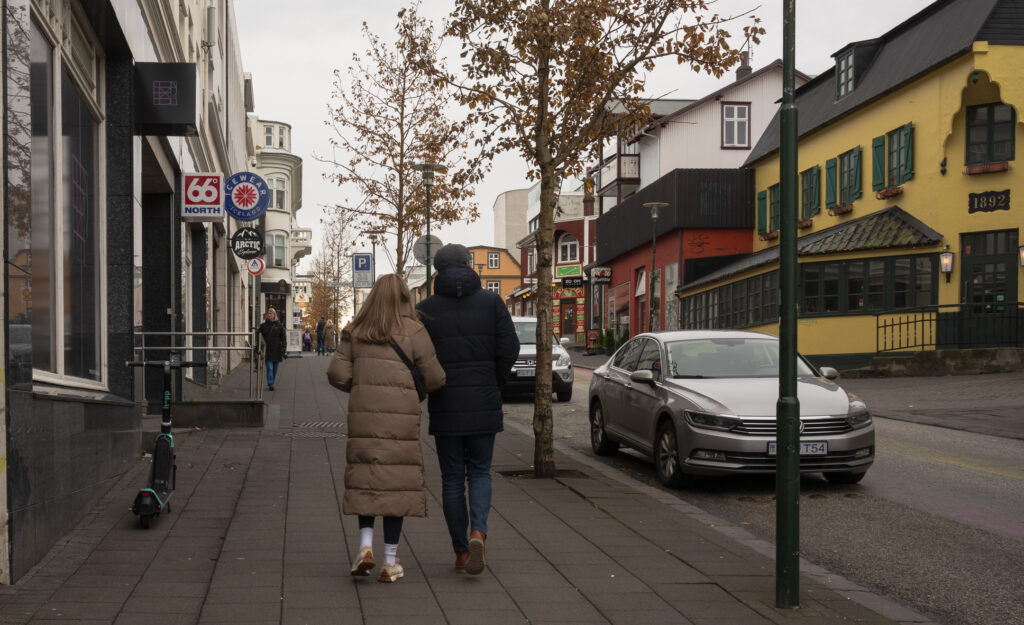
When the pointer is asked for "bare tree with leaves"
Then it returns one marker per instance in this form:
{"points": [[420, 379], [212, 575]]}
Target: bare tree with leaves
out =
{"points": [[388, 115], [551, 80], [333, 264]]}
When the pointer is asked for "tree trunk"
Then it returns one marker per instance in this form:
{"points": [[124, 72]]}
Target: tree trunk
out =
{"points": [[543, 449]]}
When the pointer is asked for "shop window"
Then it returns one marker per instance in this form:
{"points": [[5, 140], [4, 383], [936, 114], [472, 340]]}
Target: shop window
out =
{"points": [[990, 130], [860, 286], [66, 215]]}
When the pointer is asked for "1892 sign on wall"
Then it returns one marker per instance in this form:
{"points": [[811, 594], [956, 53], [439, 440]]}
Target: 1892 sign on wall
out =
{"points": [[988, 201]]}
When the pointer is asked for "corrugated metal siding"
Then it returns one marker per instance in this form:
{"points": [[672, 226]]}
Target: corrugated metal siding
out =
{"points": [[698, 198], [1005, 26]]}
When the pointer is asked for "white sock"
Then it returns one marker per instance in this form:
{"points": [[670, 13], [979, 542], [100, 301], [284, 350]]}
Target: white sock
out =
{"points": [[365, 537], [390, 551]]}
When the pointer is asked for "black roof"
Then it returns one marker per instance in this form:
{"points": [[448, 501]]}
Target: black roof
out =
{"points": [[938, 33], [888, 228]]}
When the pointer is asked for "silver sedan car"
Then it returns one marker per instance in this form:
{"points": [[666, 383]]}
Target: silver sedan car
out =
{"points": [[702, 402]]}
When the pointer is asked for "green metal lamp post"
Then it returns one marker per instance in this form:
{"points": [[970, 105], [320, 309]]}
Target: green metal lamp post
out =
{"points": [[787, 471], [428, 169]]}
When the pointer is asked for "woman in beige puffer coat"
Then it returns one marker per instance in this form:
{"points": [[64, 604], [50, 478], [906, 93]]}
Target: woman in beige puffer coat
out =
{"points": [[384, 470]]}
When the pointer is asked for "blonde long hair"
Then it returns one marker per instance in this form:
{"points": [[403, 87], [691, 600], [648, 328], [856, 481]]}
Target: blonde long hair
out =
{"points": [[389, 300]]}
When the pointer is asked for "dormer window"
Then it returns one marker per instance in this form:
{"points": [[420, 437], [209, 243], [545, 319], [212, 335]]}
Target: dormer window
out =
{"points": [[844, 74]]}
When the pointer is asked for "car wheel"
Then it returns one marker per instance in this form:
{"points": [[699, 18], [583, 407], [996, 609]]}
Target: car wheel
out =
{"points": [[666, 458], [844, 477], [564, 396], [598, 439]]}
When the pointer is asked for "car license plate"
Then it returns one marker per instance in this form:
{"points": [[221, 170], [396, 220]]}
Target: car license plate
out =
{"points": [[526, 373], [807, 448]]}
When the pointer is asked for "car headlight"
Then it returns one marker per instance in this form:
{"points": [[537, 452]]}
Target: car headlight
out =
{"points": [[858, 415], [712, 421], [563, 360]]}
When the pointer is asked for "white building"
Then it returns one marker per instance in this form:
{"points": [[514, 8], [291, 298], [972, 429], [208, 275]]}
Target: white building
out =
{"points": [[510, 219], [286, 242]]}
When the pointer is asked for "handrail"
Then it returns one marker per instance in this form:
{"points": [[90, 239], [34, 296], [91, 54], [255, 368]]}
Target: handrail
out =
{"points": [[950, 326], [211, 351]]}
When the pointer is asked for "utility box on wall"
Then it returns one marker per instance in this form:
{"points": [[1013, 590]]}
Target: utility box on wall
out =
{"points": [[165, 99]]}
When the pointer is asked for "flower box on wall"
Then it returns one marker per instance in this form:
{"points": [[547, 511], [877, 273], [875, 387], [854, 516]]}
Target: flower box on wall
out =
{"points": [[986, 168], [842, 209], [769, 236], [804, 223], [889, 192]]}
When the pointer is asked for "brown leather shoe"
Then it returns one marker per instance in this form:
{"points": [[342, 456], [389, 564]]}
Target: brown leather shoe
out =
{"points": [[477, 548], [461, 557]]}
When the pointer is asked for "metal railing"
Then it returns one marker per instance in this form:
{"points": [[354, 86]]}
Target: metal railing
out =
{"points": [[950, 326], [172, 342]]}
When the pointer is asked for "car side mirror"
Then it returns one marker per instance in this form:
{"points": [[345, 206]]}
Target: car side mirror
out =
{"points": [[644, 376], [564, 341], [829, 373]]}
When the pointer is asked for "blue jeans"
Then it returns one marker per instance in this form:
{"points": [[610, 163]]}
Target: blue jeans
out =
{"points": [[321, 348], [271, 372], [465, 459]]}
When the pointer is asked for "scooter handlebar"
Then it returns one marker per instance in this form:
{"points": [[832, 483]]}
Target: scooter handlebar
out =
{"points": [[163, 363]]}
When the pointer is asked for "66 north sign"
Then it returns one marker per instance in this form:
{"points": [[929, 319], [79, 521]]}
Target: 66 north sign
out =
{"points": [[203, 197], [247, 196]]}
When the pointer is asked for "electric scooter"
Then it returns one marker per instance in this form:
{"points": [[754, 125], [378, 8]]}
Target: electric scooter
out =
{"points": [[155, 498]]}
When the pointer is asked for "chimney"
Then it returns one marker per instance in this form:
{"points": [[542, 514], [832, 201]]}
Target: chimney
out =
{"points": [[744, 68]]}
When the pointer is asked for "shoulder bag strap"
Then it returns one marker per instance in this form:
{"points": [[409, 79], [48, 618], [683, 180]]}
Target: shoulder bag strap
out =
{"points": [[401, 354]]}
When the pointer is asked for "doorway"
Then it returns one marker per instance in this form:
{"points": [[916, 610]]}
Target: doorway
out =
{"points": [[988, 315]]}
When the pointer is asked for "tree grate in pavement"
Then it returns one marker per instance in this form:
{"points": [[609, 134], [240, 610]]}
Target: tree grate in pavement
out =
{"points": [[320, 425]]}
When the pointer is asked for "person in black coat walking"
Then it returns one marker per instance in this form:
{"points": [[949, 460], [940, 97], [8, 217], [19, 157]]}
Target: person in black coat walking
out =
{"points": [[477, 345], [273, 337]]}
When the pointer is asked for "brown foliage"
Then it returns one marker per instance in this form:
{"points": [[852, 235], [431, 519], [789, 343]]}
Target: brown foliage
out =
{"points": [[388, 115], [551, 79]]}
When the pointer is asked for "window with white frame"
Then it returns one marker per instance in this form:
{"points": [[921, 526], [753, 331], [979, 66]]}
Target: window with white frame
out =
{"points": [[494, 286], [268, 139], [280, 137], [493, 260], [736, 125], [531, 262], [275, 249], [277, 186], [568, 249], [65, 252]]}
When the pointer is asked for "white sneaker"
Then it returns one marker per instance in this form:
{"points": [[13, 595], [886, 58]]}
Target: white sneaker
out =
{"points": [[364, 562], [391, 572]]}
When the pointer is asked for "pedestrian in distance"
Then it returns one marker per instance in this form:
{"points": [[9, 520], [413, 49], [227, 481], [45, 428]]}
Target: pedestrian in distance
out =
{"points": [[384, 470], [477, 345], [330, 337], [321, 349], [307, 341], [272, 333]]}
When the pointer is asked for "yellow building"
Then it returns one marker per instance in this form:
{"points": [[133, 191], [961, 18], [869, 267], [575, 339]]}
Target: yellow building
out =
{"points": [[908, 235], [499, 271]]}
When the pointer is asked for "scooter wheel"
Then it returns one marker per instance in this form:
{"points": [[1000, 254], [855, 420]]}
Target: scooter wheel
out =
{"points": [[144, 521], [167, 507]]}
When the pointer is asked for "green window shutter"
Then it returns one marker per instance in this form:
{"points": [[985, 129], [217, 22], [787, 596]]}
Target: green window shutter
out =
{"points": [[815, 191], [908, 152], [830, 183], [762, 212], [856, 173], [878, 163]]}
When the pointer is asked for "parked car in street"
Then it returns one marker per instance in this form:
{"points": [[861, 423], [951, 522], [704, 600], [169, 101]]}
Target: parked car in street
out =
{"points": [[523, 376], [703, 402]]}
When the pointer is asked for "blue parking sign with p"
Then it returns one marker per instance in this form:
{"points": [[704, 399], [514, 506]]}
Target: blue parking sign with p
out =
{"points": [[362, 271], [363, 262]]}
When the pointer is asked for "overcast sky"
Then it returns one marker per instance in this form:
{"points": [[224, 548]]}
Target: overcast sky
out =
{"points": [[291, 49]]}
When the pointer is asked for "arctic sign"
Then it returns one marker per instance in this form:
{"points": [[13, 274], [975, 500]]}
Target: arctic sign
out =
{"points": [[247, 243], [203, 197], [246, 196]]}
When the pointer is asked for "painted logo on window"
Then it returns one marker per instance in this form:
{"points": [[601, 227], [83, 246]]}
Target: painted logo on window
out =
{"points": [[165, 93]]}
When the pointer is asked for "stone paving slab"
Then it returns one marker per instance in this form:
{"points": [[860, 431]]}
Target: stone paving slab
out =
{"points": [[256, 535]]}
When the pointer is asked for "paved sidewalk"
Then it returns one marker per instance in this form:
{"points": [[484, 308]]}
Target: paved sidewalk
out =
{"points": [[256, 536]]}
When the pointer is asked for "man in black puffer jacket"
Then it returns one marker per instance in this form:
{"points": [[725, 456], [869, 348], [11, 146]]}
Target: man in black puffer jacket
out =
{"points": [[477, 345]]}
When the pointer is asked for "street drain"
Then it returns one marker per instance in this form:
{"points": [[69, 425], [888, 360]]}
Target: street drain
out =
{"points": [[314, 434], [320, 425]]}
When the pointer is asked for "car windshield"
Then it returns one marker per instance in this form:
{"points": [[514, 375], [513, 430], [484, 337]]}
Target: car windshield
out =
{"points": [[727, 358], [527, 333]]}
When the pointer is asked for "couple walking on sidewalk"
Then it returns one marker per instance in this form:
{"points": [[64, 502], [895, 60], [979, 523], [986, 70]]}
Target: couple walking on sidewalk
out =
{"points": [[457, 345]]}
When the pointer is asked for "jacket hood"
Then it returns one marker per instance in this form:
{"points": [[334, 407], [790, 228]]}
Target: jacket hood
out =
{"points": [[457, 281]]}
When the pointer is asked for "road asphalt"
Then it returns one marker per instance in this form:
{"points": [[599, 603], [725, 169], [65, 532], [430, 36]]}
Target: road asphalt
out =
{"points": [[255, 535]]}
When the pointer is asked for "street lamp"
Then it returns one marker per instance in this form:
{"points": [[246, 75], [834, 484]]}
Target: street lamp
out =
{"points": [[654, 207], [428, 169], [374, 236]]}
